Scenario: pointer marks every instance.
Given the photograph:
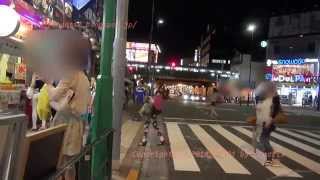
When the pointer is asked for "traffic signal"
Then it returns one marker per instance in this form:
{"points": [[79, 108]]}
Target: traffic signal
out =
{"points": [[131, 69]]}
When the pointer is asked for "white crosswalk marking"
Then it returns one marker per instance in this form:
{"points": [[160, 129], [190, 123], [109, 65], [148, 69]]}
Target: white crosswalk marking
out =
{"points": [[309, 134], [308, 139], [259, 156], [297, 144], [182, 156], [304, 161], [226, 161]]}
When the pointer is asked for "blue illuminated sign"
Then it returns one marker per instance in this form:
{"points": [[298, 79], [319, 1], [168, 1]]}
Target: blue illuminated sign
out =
{"points": [[297, 61], [268, 76]]}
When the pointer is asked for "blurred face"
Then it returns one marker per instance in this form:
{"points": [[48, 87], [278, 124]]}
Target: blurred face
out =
{"points": [[56, 54]]}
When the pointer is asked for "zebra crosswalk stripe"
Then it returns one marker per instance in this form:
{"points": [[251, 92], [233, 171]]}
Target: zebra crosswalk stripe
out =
{"points": [[226, 161], [309, 133], [182, 156], [304, 161], [258, 156], [308, 139], [297, 144]]}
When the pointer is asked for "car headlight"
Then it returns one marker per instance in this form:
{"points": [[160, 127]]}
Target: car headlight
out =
{"points": [[197, 98], [185, 97], [203, 98], [192, 97]]}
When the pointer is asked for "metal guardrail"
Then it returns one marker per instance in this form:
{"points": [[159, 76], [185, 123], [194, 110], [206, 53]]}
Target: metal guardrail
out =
{"points": [[81, 159]]}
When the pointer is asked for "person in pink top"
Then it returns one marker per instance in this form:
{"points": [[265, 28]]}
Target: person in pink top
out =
{"points": [[156, 109], [157, 103]]}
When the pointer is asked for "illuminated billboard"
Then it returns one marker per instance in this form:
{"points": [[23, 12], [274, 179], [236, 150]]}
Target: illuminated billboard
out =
{"points": [[303, 73], [138, 52]]}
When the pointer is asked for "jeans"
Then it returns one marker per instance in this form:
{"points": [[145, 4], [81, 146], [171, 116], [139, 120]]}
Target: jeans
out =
{"points": [[265, 141]]}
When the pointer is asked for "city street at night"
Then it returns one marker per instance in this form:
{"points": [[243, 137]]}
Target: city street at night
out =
{"points": [[159, 90], [199, 147]]}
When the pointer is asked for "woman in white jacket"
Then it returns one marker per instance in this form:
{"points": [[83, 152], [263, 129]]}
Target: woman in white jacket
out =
{"points": [[268, 106]]}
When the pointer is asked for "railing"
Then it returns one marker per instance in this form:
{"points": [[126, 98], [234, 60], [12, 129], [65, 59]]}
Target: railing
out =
{"points": [[82, 162]]}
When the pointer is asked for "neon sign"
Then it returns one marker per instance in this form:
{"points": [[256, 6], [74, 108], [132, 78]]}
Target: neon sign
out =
{"points": [[297, 61], [296, 79]]}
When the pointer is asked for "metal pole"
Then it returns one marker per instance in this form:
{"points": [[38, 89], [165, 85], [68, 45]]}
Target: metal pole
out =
{"points": [[118, 72], [103, 100], [150, 42], [317, 103], [254, 130], [250, 65], [154, 68]]}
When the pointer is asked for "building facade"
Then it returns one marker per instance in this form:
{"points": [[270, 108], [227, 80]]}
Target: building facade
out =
{"points": [[241, 66], [211, 53], [293, 54]]}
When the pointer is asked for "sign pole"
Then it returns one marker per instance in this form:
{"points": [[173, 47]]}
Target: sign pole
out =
{"points": [[103, 100]]}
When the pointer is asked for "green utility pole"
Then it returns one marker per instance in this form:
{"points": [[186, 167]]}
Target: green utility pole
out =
{"points": [[101, 154]]}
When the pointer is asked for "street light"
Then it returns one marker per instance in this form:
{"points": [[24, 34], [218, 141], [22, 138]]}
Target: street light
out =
{"points": [[160, 21], [250, 28], [150, 62]]}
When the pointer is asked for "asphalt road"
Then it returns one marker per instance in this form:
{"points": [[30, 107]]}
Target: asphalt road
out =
{"points": [[200, 148], [197, 111]]}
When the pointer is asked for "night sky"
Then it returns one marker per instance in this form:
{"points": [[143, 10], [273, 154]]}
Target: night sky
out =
{"points": [[186, 21]]}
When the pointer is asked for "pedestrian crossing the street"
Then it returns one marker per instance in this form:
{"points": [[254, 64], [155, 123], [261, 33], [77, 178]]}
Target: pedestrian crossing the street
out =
{"points": [[229, 149]]}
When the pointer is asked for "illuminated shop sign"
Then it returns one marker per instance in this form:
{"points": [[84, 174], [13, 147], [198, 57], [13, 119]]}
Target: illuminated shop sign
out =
{"points": [[268, 76], [296, 79], [296, 61], [291, 61]]}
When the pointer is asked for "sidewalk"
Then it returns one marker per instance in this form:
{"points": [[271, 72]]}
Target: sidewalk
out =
{"points": [[131, 134]]}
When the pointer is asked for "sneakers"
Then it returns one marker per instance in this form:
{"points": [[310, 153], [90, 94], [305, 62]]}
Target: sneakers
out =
{"points": [[143, 143], [268, 163], [276, 163], [162, 141], [273, 163]]}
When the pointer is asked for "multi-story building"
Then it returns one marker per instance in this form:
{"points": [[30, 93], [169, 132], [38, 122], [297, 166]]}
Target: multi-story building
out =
{"points": [[293, 54], [212, 54]]}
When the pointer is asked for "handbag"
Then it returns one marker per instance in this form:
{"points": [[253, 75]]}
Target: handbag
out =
{"points": [[251, 120], [281, 118]]}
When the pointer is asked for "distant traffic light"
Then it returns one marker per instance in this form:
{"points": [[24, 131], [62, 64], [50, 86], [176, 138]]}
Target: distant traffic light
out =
{"points": [[131, 69]]}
